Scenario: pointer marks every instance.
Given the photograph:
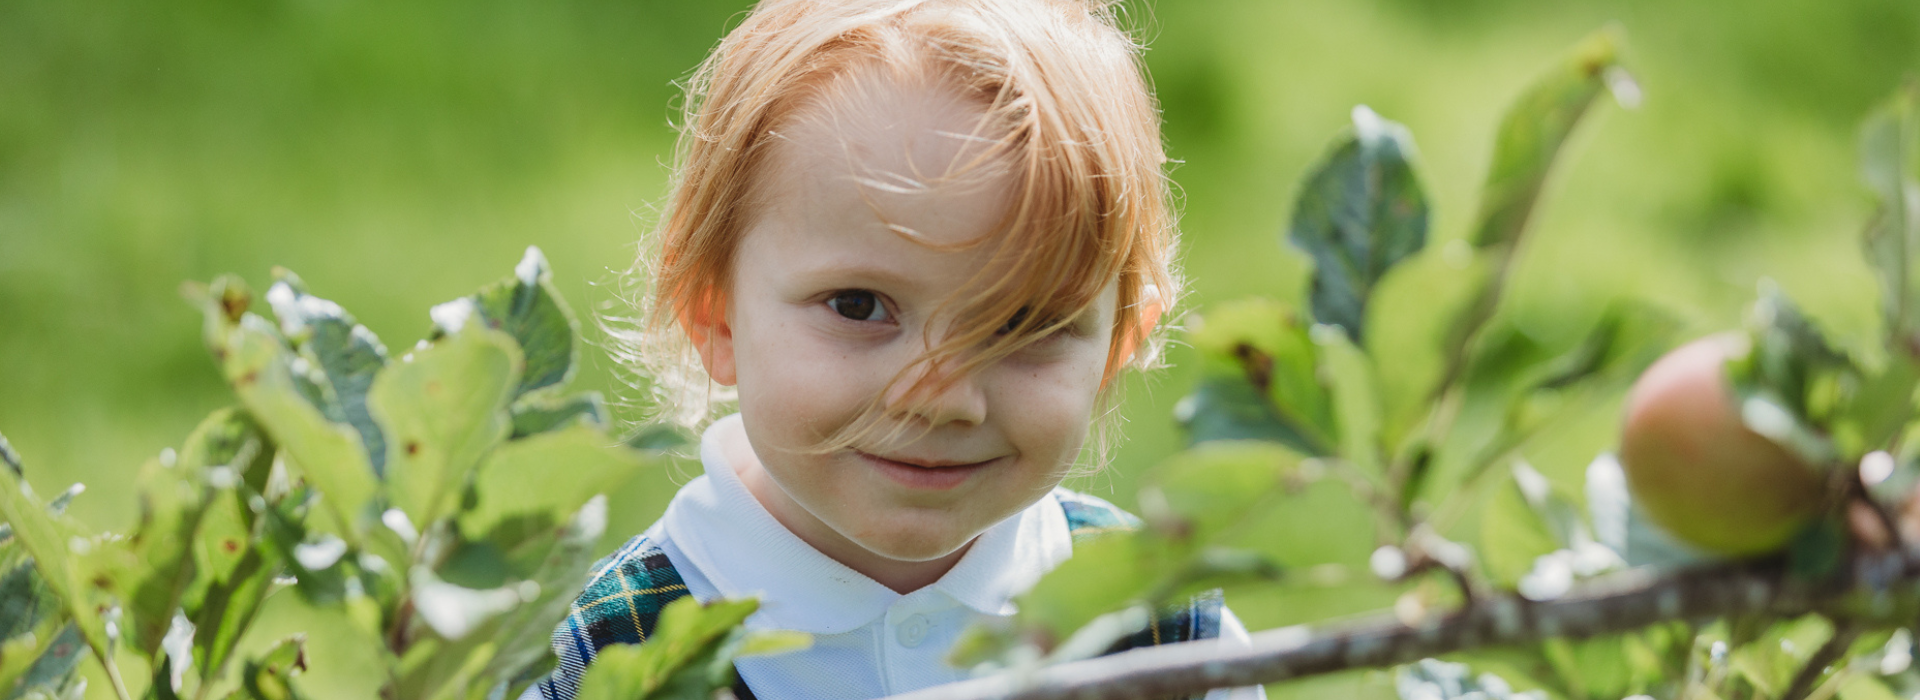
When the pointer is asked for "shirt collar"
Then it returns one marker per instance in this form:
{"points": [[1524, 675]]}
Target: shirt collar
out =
{"points": [[725, 532]]}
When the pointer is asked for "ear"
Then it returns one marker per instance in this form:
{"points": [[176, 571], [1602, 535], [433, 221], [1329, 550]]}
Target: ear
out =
{"points": [[707, 326], [1151, 304]]}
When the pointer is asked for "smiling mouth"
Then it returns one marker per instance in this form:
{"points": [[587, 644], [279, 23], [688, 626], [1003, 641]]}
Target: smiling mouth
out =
{"points": [[925, 475]]}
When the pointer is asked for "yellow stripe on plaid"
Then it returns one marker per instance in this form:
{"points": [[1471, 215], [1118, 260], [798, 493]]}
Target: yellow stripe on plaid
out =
{"points": [[627, 595]]}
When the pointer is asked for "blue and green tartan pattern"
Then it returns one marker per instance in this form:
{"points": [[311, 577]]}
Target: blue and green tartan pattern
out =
{"points": [[627, 590], [1198, 619], [1088, 516], [621, 603]]}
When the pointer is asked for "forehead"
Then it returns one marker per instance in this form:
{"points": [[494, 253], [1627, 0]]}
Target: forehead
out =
{"points": [[877, 171]]}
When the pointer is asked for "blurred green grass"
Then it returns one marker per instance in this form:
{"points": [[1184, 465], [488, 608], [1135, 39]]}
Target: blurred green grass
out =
{"points": [[399, 154]]}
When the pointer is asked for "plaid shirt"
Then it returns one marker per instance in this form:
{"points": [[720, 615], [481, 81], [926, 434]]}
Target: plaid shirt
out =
{"points": [[628, 589]]}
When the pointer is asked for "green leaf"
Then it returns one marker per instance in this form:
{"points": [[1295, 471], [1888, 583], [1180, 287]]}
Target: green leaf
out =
{"points": [[1890, 165], [1513, 531], [1433, 679], [344, 355], [475, 565], [315, 563], [53, 663], [1519, 667], [1517, 385], [1213, 487], [1101, 634], [1533, 132], [522, 637], [1529, 141], [1106, 574], [618, 672], [230, 604], [1789, 350], [221, 540], [686, 638], [1785, 381], [1230, 408], [49, 540], [656, 438], [527, 307], [241, 562], [1541, 555], [1860, 687], [1360, 213], [1216, 567], [1411, 317], [1358, 408], [10, 458], [454, 611], [534, 415], [773, 643], [173, 501], [518, 479], [38, 647], [24, 602], [222, 303], [332, 456], [1817, 550], [1622, 527], [20, 654], [442, 411], [1874, 415], [269, 676], [1769, 663], [1594, 668], [1628, 337], [1256, 352], [686, 625], [501, 628]]}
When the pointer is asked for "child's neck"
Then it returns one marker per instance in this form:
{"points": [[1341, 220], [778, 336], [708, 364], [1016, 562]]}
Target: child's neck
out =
{"points": [[900, 576]]}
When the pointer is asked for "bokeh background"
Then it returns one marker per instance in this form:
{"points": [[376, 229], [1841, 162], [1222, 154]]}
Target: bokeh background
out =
{"points": [[397, 155]]}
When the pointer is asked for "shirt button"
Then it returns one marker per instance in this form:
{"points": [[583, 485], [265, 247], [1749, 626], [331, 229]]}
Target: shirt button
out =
{"points": [[913, 631]]}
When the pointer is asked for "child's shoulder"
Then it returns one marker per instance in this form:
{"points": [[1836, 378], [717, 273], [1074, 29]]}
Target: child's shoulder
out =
{"points": [[1088, 516]]}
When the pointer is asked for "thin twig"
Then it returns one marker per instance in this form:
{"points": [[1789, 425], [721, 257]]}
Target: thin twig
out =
{"points": [[113, 676], [1843, 635]]}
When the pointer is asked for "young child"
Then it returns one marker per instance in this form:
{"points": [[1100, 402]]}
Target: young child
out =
{"points": [[921, 239]]}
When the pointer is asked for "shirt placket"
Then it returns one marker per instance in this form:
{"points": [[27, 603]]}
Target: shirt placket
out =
{"points": [[918, 629]]}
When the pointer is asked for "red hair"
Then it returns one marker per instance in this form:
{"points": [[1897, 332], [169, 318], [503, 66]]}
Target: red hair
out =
{"points": [[1064, 101]]}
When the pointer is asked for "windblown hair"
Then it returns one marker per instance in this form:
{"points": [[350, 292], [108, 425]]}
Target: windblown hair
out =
{"points": [[1065, 106]]}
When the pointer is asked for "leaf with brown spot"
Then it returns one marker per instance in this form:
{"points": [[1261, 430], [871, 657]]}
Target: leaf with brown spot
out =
{"points": [[446, 410]]}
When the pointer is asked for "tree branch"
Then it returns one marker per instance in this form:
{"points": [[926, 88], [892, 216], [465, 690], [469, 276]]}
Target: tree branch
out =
{"points": [[1836, 647], [1880, 587]]}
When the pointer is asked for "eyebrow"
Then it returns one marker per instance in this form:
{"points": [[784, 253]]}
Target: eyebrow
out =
{"points": [[879, 274]]}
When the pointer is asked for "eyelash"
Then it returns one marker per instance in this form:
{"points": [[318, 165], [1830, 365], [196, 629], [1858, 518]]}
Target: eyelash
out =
{"points": [[841, 298], [847, 295], [1021, 315]]}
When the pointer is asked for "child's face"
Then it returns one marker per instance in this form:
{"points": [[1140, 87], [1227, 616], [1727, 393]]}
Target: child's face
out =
{"points": [[828, 304]]}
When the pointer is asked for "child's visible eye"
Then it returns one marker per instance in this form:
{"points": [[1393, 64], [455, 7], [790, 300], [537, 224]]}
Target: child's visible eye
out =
{"points": [[1020, 317], [1013, 323], [859, 305]]}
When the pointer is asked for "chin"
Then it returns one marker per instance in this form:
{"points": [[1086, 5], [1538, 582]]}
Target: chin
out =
{"points": [[905, 543]]}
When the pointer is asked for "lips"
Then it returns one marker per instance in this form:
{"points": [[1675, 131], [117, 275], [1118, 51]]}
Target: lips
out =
{"points": [[931, 475]]}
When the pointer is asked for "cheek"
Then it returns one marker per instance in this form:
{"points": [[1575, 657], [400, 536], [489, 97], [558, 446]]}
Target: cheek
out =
{"points": [[1047, 409], [796, 386]]}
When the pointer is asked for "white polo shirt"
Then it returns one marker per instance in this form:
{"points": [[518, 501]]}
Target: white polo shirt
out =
{"points": [[868, 641]]}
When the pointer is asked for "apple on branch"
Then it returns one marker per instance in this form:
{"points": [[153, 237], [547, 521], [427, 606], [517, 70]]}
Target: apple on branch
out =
{"points": [[1698, 470]]}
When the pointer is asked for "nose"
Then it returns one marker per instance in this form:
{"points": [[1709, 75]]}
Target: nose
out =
{"points": [[939, 396]]}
